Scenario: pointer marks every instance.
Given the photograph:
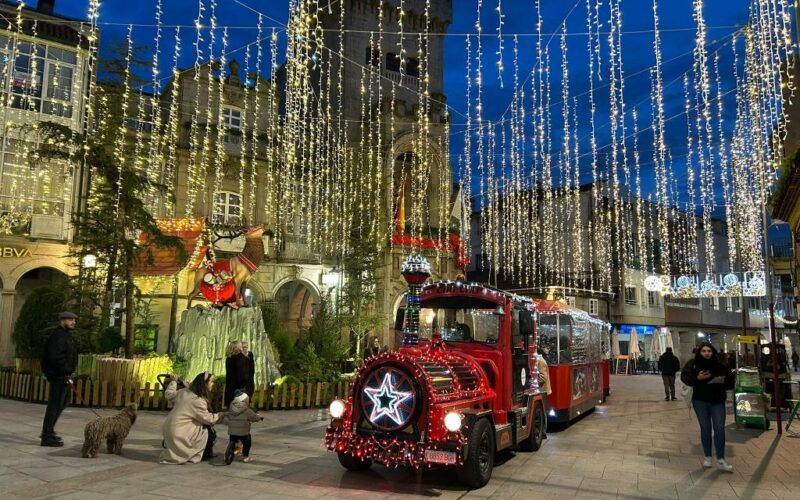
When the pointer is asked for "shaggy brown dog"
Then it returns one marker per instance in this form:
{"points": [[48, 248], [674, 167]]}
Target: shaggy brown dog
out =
{"points": [[112, 429]]}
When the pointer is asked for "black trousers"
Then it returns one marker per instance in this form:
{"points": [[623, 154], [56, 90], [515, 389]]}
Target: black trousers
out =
{"points": [[246, 442], [208, 453], [669, 385], [59, 396]]}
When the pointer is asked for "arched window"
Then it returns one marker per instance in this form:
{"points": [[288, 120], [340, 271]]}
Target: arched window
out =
{"points": [[227, 208]]}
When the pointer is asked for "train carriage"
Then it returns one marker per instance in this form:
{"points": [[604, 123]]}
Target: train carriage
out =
{"points": [[574, 344]]}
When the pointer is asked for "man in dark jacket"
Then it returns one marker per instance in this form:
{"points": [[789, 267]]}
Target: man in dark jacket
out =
{"points": [[59, 360], [669, 365]]}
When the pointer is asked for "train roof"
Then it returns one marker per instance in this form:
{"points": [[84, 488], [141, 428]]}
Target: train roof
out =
{"points": [[544, 306], [475, 290]]}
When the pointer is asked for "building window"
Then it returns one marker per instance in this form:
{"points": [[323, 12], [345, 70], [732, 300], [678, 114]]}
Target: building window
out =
{"points": [[393, 64], [652, 299], [42, 77], [726, 304], [232, 121], [594, 306], [715, 303], [630, 295], [735, 306], [372, 57], [227, 208], [47, 185], [570, 300]]}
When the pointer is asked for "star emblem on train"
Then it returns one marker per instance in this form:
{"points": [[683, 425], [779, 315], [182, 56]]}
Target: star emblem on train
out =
{"points": [[386, 401]]}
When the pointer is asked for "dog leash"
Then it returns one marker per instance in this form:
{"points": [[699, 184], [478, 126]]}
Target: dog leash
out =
{"points": [[76, 396]]}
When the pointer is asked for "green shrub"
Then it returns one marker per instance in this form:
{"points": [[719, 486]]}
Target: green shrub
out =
{"points": [[179, 365], [37, 317], [288, 379], [109, 340]]}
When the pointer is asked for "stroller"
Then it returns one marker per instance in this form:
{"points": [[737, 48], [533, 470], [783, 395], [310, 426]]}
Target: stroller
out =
{"points": [[164, 380]]}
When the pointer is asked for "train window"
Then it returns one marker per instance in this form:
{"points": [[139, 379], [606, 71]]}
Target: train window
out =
{"points": [[521, 329], [459, 324], [547, 338]]}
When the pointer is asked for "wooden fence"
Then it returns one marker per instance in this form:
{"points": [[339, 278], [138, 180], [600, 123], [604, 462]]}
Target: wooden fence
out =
{"points": [[104, 394]]}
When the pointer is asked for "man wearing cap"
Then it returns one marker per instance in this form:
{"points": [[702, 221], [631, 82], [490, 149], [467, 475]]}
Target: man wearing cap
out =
{"points": [[59, 360]]}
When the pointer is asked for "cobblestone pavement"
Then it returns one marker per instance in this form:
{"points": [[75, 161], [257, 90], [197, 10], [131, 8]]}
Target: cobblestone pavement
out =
{"points": [[636, 446]]}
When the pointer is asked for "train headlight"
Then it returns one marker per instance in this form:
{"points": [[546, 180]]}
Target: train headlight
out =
{"points": [[453, 421], [336, 409]]}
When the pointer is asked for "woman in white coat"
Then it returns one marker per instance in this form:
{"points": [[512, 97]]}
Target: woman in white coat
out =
{"points": [[186, 428]]}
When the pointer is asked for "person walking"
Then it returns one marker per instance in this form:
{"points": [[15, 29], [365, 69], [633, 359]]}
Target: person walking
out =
{"points": [[237, 370], [375, 348], [250, 387], [795, 359], [59, 360], [669, 365], [710, 380]]}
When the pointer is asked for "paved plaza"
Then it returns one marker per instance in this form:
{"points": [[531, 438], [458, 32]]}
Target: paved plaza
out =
{"points": [[636, 446]]}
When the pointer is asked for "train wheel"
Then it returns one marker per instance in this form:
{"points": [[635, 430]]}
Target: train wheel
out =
{"points": [[352, 463], [534, 441], [479, 461]]}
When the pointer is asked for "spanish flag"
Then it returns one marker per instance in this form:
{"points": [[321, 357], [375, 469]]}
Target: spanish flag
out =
{"points": [[400, 210]]}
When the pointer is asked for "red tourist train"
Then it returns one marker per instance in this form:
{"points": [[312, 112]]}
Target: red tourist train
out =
{"points": [[462, 387], [574, 344]]}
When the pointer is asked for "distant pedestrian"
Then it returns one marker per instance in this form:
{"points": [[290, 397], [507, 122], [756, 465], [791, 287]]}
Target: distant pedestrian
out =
{"points": [[710, 380], [375, 348], [59, 360], [250, 387], [795, 359], [669, 365], [236, 370]]}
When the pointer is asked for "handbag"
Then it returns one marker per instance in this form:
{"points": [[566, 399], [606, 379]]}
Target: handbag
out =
{"points": [[686, 395]]}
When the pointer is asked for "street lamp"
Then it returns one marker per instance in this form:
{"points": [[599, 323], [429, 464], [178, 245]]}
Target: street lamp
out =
{"points": [[89, 261]]}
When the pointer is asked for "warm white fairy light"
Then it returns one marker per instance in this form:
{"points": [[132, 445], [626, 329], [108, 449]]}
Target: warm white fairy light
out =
{"points": [[155, 161], [172, 134], [500, 24], [221, 126], [195, 144]]}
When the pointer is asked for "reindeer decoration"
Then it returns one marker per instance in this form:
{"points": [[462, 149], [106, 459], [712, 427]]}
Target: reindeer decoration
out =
{"points": [[222, 283]]}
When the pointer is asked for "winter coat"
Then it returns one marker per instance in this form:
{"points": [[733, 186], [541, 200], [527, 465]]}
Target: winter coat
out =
{"points": [[60, 357], [251, 378], [702, 390], [184, 435], [237, 373], [544, 375], [240, 416], [669, 364]]}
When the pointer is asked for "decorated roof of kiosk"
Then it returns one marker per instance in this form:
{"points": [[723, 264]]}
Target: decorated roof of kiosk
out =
{"points": [[156, 261]]}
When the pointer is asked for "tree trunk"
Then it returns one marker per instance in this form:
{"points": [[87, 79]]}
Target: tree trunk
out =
{"points": [[173, 316], [108, 289], [130, 309]]}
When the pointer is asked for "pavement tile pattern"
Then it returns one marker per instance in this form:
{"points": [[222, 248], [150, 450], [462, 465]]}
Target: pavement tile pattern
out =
{"points": [[635, 446]]}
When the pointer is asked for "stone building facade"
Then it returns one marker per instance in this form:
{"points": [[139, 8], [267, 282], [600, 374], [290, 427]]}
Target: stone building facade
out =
{"points": [[43, 78], [291, 275]]}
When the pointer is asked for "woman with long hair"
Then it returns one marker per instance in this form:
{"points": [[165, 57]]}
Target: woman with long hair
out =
{"points": [[710, 380], [237, 370], [188, 432]]}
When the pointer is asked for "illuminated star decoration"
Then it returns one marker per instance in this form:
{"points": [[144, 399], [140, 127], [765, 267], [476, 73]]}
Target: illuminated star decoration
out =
{"points": [[388, 401]]}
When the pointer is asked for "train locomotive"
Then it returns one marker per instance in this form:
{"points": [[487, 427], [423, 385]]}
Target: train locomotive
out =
{"points": [[462, 387]]}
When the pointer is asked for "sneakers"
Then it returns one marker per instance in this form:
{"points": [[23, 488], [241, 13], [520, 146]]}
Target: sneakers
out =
{"points": [[53, 443], [723, 465], [674, 398], [707, 462], [666, 398], [247, 460]]}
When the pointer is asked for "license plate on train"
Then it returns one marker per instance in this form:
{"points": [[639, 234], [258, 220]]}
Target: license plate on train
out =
{"points": [[440, 457]]}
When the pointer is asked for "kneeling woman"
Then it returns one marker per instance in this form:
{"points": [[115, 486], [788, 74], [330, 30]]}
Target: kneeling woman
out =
{"points": [[187, 429]]}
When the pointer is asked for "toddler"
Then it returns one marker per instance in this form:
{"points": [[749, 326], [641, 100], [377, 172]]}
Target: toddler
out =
{"points": [[240, 417]]}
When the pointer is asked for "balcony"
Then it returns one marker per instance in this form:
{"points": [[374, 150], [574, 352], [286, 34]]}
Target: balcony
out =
{"points": [[403, 80]]}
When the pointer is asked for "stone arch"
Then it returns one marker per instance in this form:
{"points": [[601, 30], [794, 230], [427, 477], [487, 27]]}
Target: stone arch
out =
{"points": [[296, 300], [42, 263]]}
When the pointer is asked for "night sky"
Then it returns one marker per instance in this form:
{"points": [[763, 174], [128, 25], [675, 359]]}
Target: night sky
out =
{"points": [[723, 19]]}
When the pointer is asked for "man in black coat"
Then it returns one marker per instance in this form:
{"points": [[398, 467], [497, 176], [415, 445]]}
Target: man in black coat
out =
{"points": [[669, 365], [250, 387], [59, 360]]}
